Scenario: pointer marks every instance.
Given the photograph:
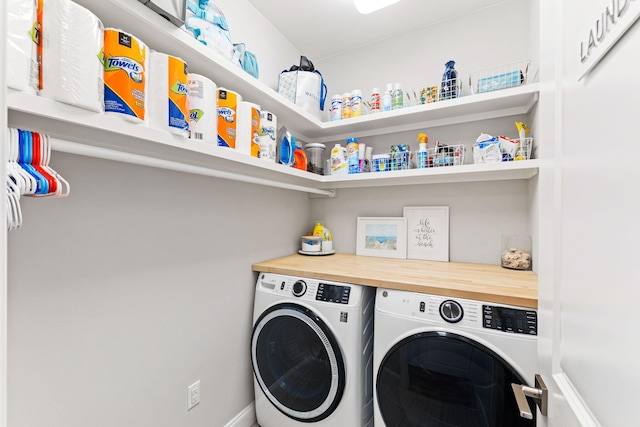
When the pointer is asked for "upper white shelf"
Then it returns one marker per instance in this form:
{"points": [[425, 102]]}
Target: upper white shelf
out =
{"points": [[161, 35], [105, 136]]}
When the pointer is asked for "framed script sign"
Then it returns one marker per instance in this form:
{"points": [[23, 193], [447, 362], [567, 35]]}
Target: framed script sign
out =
{"points": [[427, 232]]}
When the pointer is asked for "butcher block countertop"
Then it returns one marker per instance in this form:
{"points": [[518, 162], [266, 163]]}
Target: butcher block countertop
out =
{"points": [[483, 282]]}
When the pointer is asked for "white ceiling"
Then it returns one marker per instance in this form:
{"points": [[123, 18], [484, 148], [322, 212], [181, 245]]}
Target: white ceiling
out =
{"points": [[323, 28]]}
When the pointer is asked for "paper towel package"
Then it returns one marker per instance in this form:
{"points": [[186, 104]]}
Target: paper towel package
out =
{"points": [[22, 38], [168, 99], [248, 129], [71, 44], [125, 77], [228, 102], [267, 139], [203, 117]]}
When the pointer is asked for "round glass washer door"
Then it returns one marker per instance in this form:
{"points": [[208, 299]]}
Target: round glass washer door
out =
{"points": [[297, 362], [442, 379]]}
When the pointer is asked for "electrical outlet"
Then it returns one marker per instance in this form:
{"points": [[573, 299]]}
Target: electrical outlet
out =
{"points": [[193, 395]]}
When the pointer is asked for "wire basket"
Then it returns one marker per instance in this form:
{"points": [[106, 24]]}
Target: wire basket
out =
{"points": [[502, 149], [433, 92], [425, 94], [445, 155], [500, 77]]}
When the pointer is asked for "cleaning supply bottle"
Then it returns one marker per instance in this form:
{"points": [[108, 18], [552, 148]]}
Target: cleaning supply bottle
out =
{"points": [[375, 100], [299, 156], [423, 157], [356, 103], [397, 97], [353, 156], [386, 97], [318, 229], [346, 105], [286, 147], [336, 107], [449, 86], [339, 160]]}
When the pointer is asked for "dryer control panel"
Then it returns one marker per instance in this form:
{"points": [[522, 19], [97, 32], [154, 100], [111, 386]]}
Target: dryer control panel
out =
{"points": [[333, 293], [510, 319]]}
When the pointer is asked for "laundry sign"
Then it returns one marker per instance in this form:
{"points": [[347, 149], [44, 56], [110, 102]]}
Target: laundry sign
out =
{"points": [[606, 29]]}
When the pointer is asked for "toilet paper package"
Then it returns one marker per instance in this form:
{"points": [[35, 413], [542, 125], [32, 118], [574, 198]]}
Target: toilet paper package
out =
{"points": [[248, 129], [168, 99], [71, 45], [22, 37], [228, 101], [203, 117], [267, 138], [125, 75]]}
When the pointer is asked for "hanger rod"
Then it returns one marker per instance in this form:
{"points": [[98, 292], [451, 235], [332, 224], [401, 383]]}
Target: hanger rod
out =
{"points": [[136, 159]]}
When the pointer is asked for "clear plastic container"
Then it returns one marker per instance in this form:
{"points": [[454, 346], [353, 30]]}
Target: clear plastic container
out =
{"points": [[315, 157], [516, 252]]}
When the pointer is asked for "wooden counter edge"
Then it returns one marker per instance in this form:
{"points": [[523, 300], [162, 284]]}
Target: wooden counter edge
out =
{"points": [[521, 296]]}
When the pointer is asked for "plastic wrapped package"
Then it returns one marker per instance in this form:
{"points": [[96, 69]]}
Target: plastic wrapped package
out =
{"points": [[206, 22], [72, 41], [22, 37]]}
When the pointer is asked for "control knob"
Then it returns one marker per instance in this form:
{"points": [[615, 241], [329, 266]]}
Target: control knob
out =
{"points": [[299, 288], [451, 311]]}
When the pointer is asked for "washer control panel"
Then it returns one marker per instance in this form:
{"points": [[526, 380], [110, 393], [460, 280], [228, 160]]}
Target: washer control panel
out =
{"points": [[510, 320], [458, 312], [308, 289], [333, 293]]}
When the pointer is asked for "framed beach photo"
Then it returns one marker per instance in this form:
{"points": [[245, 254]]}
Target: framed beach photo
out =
{"points": [[382, 237], [427, 232]]}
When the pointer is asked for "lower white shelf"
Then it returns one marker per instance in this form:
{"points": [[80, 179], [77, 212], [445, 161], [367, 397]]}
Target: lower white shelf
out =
{"points": [[104, 136]]}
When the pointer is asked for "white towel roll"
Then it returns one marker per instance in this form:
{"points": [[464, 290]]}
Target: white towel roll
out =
{"points": [[72, 41], [203, 104]]}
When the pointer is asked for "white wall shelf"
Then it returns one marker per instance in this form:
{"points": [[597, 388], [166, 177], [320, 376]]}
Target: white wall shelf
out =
{"points": [[110, 137], [159, 34], [103, 135]]}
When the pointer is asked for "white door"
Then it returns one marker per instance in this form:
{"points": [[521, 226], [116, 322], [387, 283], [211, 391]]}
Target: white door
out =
{"points": [[589, 224]]}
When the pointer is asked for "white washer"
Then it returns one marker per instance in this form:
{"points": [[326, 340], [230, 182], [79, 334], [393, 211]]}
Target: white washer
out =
{"points": [[312, 352], [443, 362]]}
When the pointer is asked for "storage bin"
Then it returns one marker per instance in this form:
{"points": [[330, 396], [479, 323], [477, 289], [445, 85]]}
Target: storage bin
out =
{"points": [[446, 155], [496, 152], [499, 77]]}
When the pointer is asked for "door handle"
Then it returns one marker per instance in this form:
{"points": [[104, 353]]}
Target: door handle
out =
{"points": [[539, 394]]}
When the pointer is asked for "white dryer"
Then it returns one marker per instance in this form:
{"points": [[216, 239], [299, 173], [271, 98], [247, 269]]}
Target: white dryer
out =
{"points": [[312, 352], [444, 362]]}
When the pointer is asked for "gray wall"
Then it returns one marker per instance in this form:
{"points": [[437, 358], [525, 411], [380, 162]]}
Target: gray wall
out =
{"points": [[134, 287], [140, 282]]}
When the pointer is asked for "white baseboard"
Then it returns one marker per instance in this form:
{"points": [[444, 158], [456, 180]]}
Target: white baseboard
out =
{"points": [[581, 411], [246, 417]]}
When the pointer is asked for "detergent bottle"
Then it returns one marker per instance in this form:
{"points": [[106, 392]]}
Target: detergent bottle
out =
{"points": [[299, 156]]}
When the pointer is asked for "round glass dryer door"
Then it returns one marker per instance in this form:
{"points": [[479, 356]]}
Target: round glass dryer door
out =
{"points": [[297, 362], [440, 379]]}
